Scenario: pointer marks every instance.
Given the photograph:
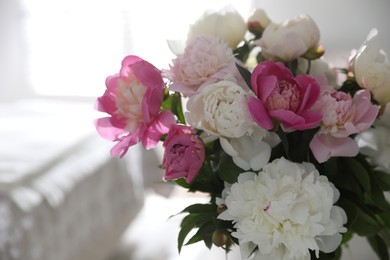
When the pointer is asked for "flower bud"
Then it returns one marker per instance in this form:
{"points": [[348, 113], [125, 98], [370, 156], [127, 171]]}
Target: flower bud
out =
{"points": [[257, 22], [219, 238]]}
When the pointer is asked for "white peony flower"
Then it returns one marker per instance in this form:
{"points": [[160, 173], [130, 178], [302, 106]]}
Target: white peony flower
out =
{"points": [[371, 68], [284, 211], [251, 151], [227, 24], [290, 39], [375, 142], [220, 109], [206, 59], [319, 67]]}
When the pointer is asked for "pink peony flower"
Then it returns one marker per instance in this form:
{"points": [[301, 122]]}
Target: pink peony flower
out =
{"points": [[133, 99], [283, 97], [206, 60], [342, 117], [184, 153]]}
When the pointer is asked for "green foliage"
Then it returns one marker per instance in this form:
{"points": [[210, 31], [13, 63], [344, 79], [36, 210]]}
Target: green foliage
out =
{"points": [[173, 103], [246, 75], [242, 52], [203, 218]]}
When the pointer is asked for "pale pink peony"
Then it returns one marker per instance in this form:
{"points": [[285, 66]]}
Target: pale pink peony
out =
{"points": [[283, 97], [184, 154], [206, 59], [289, 39], [342, 117], [133, 99]]}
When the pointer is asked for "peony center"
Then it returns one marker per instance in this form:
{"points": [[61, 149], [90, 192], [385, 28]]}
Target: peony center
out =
{"points": [[129, 102], [177, 152], [285, 96]]}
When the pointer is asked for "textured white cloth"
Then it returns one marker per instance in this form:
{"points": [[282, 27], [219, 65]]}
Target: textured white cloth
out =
{"points": [[61, 194]]}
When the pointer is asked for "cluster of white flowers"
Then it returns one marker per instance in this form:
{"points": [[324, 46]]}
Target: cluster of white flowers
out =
{"points": [[283, 211]]}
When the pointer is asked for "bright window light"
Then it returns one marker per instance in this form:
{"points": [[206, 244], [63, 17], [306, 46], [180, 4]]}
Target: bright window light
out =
{"points": [[73, 45]]}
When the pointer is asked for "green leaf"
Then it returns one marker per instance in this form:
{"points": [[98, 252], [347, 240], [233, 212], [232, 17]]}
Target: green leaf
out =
{"points": [[228, 171], [200, 208], [246, 75], [365, 225], [173, 103], [379, 246], [330, 167], [376, 197], [350, 209], [260, 58], [383, 179], [283, 137], [188, 223], [242, 52], [360, 173], [204, 231], [327, 256], [350, 86]]}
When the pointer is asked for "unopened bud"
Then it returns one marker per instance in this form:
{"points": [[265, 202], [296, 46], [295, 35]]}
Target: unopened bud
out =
{"points": [[257, 22], [219, 238], [314, 52]]}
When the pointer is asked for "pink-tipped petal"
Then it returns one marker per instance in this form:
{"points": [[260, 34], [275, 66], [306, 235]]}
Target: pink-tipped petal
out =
{"points": [[326, 146]]}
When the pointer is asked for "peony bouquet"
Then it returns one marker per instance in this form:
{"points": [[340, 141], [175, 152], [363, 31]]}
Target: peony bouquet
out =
{"points": [[284, 144]]}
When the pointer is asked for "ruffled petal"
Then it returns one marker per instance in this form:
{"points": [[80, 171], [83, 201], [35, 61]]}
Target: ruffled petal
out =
{"points": [[158, 127], [326, 146]]}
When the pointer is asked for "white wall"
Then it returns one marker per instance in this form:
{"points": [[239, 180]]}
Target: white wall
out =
{"points": [[13, 71], [344, 24]]}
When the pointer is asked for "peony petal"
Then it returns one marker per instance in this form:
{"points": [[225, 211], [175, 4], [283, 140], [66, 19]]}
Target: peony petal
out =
{"points": [[106, 129], [328, 244], [287, 117], [312, 119], [326, 146], [127, 62], [311, 91], [365, 111], [159, 126], [259, 113], [121, 148], [151, 103]]}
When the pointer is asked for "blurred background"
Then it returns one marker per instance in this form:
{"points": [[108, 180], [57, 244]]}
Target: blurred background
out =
{"points": [[61, 195]]}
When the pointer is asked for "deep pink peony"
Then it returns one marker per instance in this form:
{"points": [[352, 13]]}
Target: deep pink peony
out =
{"points": [[184, 153], [283, 97], [133, 99], [343, 116]]}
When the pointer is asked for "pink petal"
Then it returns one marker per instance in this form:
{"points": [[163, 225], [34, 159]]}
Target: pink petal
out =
{"points": [[106, 129], [365, 111], [266, 85], [159, 126], [151, 103], [121, 148], [127, 62], [259, 113], [112, 83], [287, 117], [326, 146], [148, 74], [312, 119], [311, 91]]}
